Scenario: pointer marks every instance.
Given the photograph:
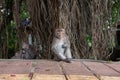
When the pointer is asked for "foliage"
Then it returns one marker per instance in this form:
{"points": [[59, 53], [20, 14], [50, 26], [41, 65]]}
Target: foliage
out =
{"points": [[23, 13], [11, 40], [115, 11], [88, 39]]}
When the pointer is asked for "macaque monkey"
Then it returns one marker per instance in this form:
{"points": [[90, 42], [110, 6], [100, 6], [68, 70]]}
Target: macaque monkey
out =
{"points": [[61, 45], [27, 52]]}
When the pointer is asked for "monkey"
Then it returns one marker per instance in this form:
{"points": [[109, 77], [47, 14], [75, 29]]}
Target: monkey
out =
{"points": [[17, 55], [61, 45], [27, 52]]}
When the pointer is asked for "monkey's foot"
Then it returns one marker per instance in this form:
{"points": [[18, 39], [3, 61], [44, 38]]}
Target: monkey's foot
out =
{"points": [[58, 60], [68, 60]]}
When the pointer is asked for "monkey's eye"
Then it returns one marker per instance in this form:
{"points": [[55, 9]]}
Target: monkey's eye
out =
{"points": [[58, 32]]}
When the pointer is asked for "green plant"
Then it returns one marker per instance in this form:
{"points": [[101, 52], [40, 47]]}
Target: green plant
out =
{"points": [[88, 39], [23, 13], [114, 11]]}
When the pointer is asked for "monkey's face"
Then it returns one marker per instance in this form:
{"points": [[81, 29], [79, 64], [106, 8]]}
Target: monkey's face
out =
{"points": [[60, 33]]}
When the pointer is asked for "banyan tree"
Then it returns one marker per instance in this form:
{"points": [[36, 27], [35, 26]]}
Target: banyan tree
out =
{"points": [[88, 23]]}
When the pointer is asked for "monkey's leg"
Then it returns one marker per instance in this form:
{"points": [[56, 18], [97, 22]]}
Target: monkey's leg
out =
{"points": [[59, 52], [61, 56], [68, 53]]}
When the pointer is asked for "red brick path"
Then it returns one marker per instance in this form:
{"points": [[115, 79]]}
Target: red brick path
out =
{"points": [[52, 70]]}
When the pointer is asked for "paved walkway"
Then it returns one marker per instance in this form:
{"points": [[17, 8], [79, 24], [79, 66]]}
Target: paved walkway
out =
{"points": [[52, 70]]}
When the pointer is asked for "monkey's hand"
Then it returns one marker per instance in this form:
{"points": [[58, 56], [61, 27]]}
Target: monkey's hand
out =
{"points": [[64, 46]]}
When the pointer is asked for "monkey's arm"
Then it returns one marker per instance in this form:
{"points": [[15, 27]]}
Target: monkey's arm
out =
{"points": [[66, 43], [58, 52], [55, 49], [68, 53], [54, 46]]}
